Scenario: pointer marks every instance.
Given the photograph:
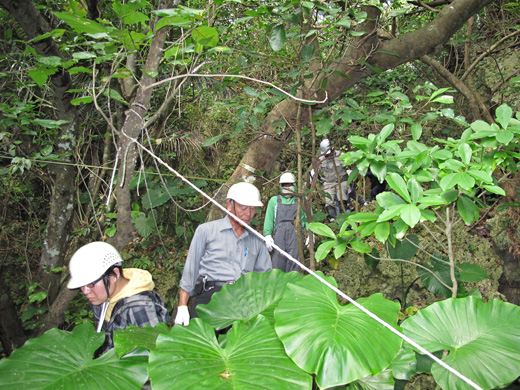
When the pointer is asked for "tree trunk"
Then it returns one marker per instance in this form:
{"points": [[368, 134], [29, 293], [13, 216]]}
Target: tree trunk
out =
{"points": [[132, 128], [11, 331], [63, 175]]}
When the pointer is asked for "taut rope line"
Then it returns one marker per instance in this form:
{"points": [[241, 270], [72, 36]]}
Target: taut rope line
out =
{"points": [[339, 292]]}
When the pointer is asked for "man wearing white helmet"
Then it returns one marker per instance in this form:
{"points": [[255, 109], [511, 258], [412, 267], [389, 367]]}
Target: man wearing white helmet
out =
{"points": [[279, 223], [331, 171], [119, 297], [221, 251]]}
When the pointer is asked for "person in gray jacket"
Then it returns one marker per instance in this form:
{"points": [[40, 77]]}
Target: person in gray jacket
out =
{"points": [[334, 176], [221, 251]]}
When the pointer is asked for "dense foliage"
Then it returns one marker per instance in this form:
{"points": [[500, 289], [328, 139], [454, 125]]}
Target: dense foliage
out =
{"points": [[95, 93], [286, 330]]}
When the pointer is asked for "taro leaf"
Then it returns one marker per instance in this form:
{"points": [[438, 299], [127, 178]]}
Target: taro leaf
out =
{"points": [[483, 340], [442, 271], [252, 294], [340, 344], [64, 360], [131, 338], [424, 362], [253, 358], [382, 381], [405, 249], [404, 365]]}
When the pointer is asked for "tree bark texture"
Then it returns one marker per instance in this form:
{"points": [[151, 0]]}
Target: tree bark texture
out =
{"points": [[349, 70], [132, 128], [61, 205], [11, 331]]}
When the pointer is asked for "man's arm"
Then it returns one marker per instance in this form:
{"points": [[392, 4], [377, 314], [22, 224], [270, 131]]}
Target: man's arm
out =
{"points": [[184, 296], [269, 217], [183, 314]]}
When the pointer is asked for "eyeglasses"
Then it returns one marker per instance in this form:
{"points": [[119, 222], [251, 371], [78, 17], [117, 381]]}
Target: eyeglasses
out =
{"points": [[91, 285]]}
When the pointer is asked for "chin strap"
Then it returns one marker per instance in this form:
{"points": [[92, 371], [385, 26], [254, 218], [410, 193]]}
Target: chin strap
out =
{"points": [[102, 316], [106, 283]]}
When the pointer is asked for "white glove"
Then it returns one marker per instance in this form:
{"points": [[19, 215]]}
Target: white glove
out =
{"points": [[308, 239], [183, 316], [269, 242]]}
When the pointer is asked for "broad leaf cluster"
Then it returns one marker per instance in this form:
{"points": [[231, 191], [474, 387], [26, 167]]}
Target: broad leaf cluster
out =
{"points": [[286, 329]]}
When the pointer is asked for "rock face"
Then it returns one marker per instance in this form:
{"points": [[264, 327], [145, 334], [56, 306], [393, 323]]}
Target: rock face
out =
{"points": [[401, 282]]}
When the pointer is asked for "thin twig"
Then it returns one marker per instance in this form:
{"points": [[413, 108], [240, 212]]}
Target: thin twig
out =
{"points": [[240, 77]]}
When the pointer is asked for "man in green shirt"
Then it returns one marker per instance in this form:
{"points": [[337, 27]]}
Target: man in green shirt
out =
{"points": [[279, 224]]}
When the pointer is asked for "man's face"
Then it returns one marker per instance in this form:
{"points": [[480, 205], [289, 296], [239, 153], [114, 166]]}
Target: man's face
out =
{"points": [[95, 292], [244, 213]]}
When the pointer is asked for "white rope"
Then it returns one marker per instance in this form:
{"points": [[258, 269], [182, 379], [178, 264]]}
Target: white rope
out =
{"points": [[102, 316], [339, 292]]}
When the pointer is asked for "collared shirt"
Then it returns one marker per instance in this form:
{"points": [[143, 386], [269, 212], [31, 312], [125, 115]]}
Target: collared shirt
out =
{"points": [[218, 253]]}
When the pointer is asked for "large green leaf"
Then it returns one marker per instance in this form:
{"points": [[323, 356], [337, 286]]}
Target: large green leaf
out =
{"points": [[397, 183], [252, 357], [471, 273], [382, 381], [483, 340], [405, 249], [321, 229], [391, 212], [441, 269], [277, 37], [64, 360], [324, 249], [410, 214], [82, 25], [379, 169], [206, 36], [252, 294], [404, 365], [504, 114], [339, 344], [416, 190], [467, 209], [382, 231], [465, 153], [387, 199], [131, 338], [495, 190]]}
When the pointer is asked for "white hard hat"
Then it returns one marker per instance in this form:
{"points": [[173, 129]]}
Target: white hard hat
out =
{"points": [[287, 177], [324, 145], [90, 262], [246, 194]]}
